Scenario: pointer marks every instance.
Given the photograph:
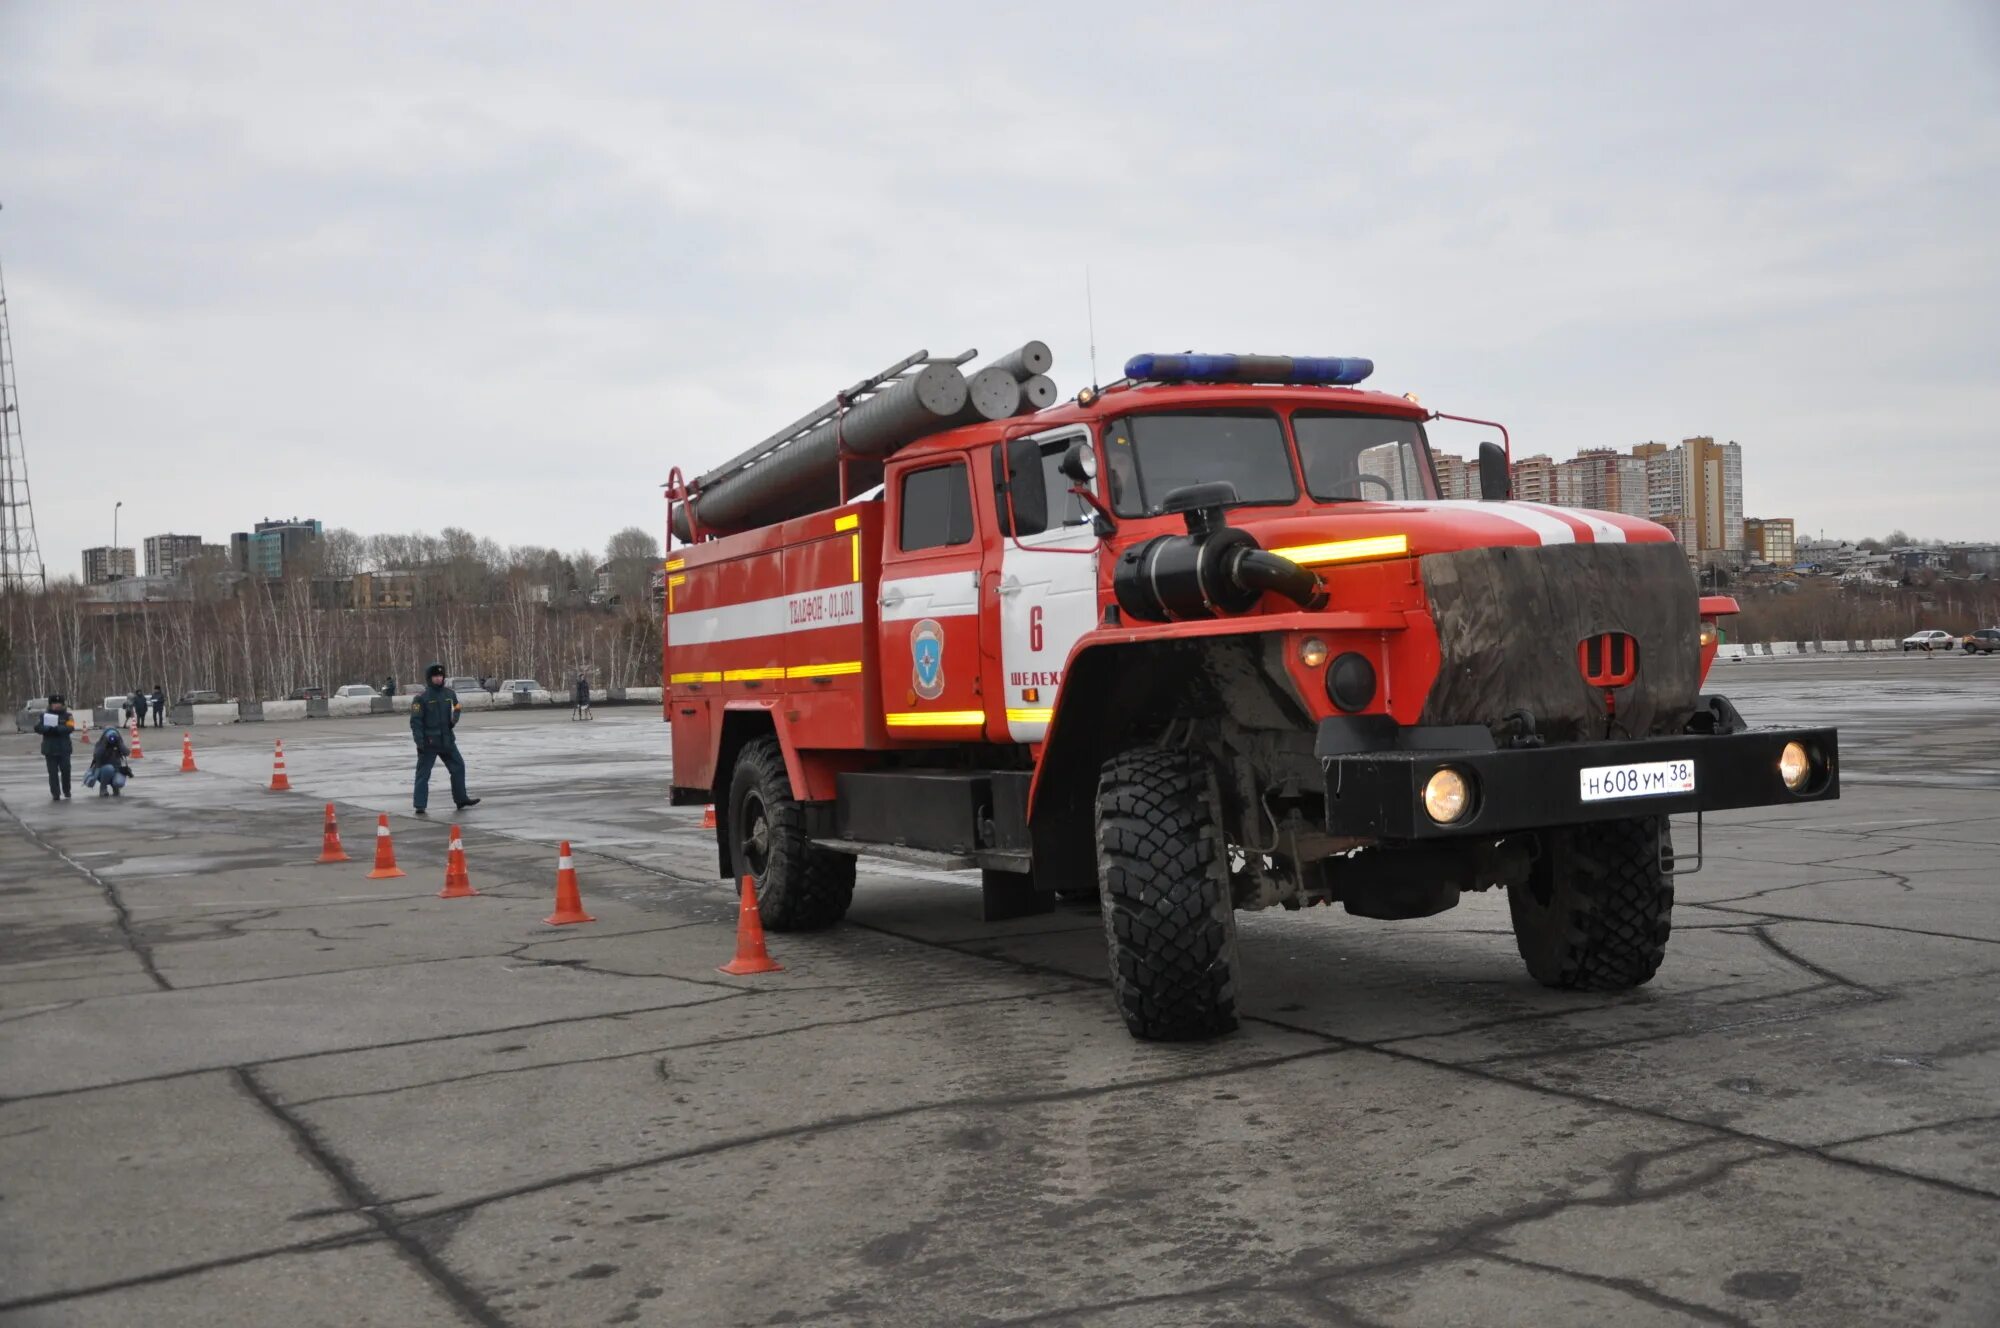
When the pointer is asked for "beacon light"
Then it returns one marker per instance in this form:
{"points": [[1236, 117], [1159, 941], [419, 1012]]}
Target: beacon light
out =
{"points": [[1323, 370]]}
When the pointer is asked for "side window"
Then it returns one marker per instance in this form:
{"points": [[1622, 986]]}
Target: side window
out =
{"points": [[1065, 508], [937, 507]]}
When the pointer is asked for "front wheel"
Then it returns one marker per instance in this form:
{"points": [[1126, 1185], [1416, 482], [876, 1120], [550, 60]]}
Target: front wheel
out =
{"points": [[1596, 909], [1164, 879], [799, 887]]}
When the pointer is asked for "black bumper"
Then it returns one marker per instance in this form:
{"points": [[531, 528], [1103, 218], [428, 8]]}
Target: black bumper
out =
{"points": [[1376, 772]]}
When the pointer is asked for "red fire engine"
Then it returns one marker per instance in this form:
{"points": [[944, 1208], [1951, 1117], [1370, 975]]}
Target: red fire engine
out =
{"points": [[1203, 640]]}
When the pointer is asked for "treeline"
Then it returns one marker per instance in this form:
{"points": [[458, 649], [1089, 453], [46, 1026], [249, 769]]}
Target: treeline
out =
{"points": [[478, 609], [1815, 610]]}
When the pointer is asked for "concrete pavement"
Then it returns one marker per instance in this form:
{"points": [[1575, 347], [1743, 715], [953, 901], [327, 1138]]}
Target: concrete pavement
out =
{"points": [[240, 1088]]}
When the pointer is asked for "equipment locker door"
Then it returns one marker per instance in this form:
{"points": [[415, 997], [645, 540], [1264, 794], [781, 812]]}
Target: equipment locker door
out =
{"points": [[1048, 597], [930, 658]]}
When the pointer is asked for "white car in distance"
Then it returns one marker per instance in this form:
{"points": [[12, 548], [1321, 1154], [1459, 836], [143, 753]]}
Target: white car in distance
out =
{"points": [[1932, 639]]}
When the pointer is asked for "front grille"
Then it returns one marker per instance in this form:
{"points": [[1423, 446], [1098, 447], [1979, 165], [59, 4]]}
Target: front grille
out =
{"points": [[1510, 621]]}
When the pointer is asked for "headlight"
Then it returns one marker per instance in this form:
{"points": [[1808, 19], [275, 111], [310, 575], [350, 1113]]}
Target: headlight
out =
{"points": [[1447, 796], [1794, 766], [1312, 652], [1710, 634]]}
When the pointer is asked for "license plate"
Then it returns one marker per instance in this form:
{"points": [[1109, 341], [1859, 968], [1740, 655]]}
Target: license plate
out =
{"points": [[1641, 779]]}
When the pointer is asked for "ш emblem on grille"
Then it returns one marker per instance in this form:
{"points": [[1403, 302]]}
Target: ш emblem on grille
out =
{"points": [[1607, 660]]}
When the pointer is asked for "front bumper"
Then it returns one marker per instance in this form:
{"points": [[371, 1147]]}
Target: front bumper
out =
{"points": [[1376, 771]]}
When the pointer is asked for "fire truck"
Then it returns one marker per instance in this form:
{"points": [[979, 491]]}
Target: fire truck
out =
{"points": [[1209, 638]]}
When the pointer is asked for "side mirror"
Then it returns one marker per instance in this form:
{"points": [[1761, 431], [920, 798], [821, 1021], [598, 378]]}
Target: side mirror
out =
{"points": [[1496, 484], [1017, 474]]}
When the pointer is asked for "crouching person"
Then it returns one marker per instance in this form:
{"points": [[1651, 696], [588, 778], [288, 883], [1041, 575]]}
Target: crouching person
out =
{"points": [[108, 763]]}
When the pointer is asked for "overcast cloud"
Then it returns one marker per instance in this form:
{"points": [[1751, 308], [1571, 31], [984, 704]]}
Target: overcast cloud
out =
{"points": [[403, 267]]}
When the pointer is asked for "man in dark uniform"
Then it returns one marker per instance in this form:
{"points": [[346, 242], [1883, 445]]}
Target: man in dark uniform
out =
{"points": [[433, 719], [55, 726]]}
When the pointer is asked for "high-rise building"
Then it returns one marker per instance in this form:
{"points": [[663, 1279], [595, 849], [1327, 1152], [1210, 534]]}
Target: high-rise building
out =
{"points": [[105, 563], [1603, 479], [1770, 539], [1535, 479], [166, 555], [1458, 479], [270, 548], [1696, 491]]}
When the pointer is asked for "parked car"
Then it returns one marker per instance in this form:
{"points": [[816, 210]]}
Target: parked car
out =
{"points": [[306, 694], [356, 689], [1984, 641], [521, 685], [463, 685], [1930, 639], [198, 697]]}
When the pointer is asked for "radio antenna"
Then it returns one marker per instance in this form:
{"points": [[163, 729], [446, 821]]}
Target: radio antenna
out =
{"points": [[1090, 317]]}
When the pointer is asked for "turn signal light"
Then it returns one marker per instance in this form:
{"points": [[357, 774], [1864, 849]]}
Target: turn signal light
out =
{"points": [[1710, 634], [1312, 652]]}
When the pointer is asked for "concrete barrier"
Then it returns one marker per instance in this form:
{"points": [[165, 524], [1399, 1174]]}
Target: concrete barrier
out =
{"points": [[250, 712], [1882, 643], [286, 709], [636, 695], [382, 705], [475, 701], [343, 706], [1784, 647], [220, 712], [1731, 652], [316, 708], [1833, 647]]}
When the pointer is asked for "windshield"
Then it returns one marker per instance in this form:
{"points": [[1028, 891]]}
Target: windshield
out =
{"points": [[1147, 457], [1354, 456]]}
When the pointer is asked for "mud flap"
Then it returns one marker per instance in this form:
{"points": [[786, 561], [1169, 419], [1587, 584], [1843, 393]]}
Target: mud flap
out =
{"points": [[1005, 894]]}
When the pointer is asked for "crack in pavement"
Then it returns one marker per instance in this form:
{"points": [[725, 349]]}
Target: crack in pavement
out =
{"points": [[140, 949], [462, 1296], [787, 1031]]}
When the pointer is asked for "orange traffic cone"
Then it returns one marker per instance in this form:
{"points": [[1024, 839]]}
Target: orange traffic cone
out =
{"points": [[187, 755], [751, 957], [708, 817], [137, 755], [385, 851], [457, 884], [569, 902], [329, 840], [280, 783]]}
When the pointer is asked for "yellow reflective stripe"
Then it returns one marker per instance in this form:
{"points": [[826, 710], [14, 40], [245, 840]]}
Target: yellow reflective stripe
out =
{"points": [[833, 670], [1347, 551], [752, 675], [856, 541], [680, 678], [922, 719], [673, 581], [848, 522], [1031, 715], [675, 564]]}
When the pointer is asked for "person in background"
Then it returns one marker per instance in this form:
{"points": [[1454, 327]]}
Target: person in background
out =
{"points": [[582, 695], [135, 705], [54, 727], [389, 685], [433, 724], [108, 764], [159, 705]]}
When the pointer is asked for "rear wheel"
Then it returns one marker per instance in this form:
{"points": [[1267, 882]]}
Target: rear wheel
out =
{"points": [[1595, 912], [1164, 878], [799, 887]]}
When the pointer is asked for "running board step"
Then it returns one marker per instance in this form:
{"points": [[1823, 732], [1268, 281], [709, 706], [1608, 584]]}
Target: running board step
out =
{"points": [[990, 859]]}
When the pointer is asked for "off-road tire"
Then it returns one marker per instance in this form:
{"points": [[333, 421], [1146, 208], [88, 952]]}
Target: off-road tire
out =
{"points": [[1164, 878], [1596, 910], [799, 887]]}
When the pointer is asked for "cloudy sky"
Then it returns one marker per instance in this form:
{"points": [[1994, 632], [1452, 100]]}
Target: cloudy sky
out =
{"points": [[501, 266]]}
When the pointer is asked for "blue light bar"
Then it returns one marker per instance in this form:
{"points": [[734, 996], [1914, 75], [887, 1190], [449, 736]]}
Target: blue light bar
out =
{"points": [[1325, 370]]}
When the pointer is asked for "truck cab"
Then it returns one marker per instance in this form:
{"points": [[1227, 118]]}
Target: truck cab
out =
{"points": [[1210, 639]]}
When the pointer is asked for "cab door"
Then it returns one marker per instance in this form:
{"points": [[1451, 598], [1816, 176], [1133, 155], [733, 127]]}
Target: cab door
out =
{"points": [[929, 603], [1048, 597]]}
